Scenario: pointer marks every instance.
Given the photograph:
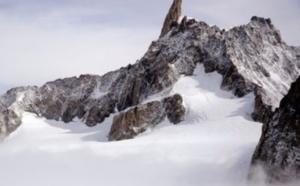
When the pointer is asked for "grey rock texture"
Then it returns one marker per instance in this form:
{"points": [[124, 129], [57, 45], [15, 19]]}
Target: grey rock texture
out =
{"points": [[278, 151], [130, 123], [173, 106], [90, 98], [12, 109], [251, 58], [172, 17]]}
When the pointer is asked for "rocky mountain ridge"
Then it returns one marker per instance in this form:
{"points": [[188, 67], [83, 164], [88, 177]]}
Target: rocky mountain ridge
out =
{"points": [[278, 151], [251, 58]]}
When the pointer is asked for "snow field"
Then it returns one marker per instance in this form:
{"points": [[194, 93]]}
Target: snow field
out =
{"points": [[212, 147]]}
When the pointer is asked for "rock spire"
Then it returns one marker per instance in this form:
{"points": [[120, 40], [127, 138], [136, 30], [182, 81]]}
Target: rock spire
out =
{"points": [[172, 16]]}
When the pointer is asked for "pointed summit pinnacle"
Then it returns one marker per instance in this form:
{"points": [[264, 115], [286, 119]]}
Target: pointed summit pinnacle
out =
{"points": [[172, 16]]}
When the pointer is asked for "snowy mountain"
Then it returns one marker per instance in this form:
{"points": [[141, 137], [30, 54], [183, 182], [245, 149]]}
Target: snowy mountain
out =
{"points": [[251, 58], [213, 83]]}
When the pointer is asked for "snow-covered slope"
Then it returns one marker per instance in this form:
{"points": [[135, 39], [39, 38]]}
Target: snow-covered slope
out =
{"points": [[212, 146]]}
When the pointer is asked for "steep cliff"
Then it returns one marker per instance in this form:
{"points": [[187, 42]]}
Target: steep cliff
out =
{"points": [[278, 151]]}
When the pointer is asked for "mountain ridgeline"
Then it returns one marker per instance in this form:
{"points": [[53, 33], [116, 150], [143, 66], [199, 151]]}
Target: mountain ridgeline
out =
{"points": [[251, 58]]}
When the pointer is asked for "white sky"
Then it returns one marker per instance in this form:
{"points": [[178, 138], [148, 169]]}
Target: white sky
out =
{"points": [[42, 40]]}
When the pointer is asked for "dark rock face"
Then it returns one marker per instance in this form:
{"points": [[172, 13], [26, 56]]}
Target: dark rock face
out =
{"points": [[11, 110], [174, 109], [278, 151], [172, 17], [262, 112], [11, 121], [129, 124]]}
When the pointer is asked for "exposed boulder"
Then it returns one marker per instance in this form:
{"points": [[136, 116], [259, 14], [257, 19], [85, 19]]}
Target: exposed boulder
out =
{"points": [[130, 123], [172, 17], [278, 151], [174, 108]]}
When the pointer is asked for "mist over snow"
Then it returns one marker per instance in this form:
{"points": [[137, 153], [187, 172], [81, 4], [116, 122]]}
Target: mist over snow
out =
{"points": [[213, 146], [45, 40]]}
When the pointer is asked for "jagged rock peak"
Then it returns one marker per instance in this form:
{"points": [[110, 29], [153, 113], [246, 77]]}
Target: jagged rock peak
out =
{"points": [[262, 20], [172, 17], [250, 58], [278, 152]]}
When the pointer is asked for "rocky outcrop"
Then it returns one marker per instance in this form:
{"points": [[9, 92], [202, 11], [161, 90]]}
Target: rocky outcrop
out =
{"points": [[129, 124], [278, 151], [174, 109], [172, 17], [136, 120], [12, 109], [251, 58]]}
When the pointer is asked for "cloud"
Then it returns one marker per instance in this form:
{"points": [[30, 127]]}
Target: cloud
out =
{"points": [[37, 55], [102, 12], [258, 177], [66, 40]]}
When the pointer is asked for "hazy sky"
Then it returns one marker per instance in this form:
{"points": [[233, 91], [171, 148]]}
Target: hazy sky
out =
{"points": [[41, 40]]}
